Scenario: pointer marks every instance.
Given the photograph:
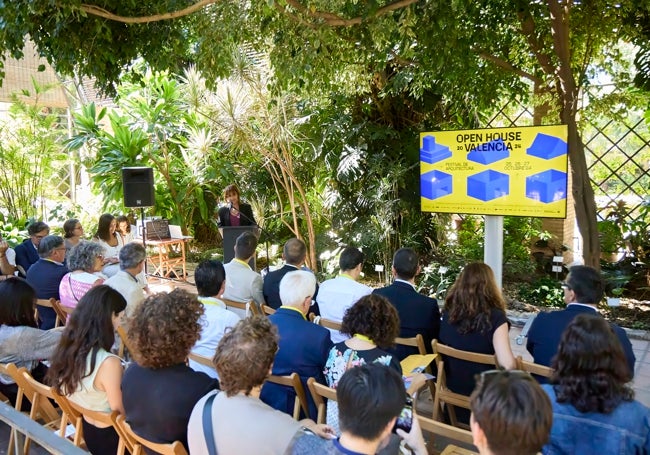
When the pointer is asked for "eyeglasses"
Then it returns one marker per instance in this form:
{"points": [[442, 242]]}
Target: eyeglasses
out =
{"points": [[39, 237], [566, 286], [60, 248]]}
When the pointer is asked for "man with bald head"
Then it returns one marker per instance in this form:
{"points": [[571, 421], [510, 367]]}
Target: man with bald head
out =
{"points": [[294, 254]]}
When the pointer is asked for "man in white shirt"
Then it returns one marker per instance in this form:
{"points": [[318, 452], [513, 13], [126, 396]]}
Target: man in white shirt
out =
{"points": [[243, 284], [130, 280], [340, 293], [210, 278]]}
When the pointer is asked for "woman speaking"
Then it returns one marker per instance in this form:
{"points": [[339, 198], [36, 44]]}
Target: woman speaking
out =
{"points": [[236, 212]]}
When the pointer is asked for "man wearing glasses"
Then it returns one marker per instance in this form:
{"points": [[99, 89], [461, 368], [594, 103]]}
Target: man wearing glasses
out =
{"points": [[583, 290], [45, 276], [27, 252]]}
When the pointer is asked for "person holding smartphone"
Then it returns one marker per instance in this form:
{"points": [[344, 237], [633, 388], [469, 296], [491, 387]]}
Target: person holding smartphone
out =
{"points": [[371, 400], [7, 258]]}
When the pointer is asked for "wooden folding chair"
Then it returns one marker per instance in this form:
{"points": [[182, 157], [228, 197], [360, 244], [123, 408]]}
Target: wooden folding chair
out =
{"points": [[443, 394], [124, 342], [267, 310], [293, 380], [49, 303], [320, 393], [62, 312], [448, 432], [106, 418], [327, 323], [42, 410], [249, 307], [201, 359], [11, 371], [418, 342], [137, 442], [534, 368]]}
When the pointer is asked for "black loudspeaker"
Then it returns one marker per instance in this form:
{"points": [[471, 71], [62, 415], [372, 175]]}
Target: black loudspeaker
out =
{"points": [[138, 186]]}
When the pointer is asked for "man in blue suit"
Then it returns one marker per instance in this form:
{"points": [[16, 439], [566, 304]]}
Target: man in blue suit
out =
{"points": [[27, 252], [303, 346], [417, 313], [583, 290]]}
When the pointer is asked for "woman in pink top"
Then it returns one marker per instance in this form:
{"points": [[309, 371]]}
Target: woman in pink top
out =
{"points": [[86, 261]]}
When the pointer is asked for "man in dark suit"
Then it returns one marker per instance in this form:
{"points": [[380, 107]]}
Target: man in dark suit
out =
{"points": [[303, 346], [417, 313], [294, 254], [27, 252], [583, 290]]}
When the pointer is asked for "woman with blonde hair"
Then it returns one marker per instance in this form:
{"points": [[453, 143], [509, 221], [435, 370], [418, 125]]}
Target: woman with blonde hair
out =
{"points": [[474, 319]]}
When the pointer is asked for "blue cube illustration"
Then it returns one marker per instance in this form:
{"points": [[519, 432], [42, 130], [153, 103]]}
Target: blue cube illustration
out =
{"points": [[431, 152], [488, 185], [435, 184], [547, 186], [547, 147], [489, 152]]}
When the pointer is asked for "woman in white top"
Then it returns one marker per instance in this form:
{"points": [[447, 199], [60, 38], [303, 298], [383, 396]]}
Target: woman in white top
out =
{"points": [[124, 229], [73, 233], [85, 260], [83, 368], [108, 237]]}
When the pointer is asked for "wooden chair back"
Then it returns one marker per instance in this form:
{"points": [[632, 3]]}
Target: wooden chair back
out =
{"points": [[49, 303], [137, 442], [327, 323], [416, 341], [267, 310], [124, 342], [293, 380], [106, 418], [443, 394], [320, 393], [534, 368], [73, 415], [201, 359], [249, 307], [62, 312], [446, 431], [10, 370]]}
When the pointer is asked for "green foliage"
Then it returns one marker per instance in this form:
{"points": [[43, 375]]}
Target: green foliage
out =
{"points": [[31, 156], [11, 231], [544, 291]]}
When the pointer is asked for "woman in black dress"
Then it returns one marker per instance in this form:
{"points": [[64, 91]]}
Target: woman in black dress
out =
{"points": [[235, 212]]}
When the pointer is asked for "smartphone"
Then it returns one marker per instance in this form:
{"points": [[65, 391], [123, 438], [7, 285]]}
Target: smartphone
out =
{"points": [[405, 419]]}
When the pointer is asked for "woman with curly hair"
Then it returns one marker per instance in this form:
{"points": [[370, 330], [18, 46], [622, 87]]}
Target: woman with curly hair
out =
{"points": [[594, 410], [474, 319], [159, 389], [243, 360], [85, 260], [112, 242], [373, 324], [83, 368]]}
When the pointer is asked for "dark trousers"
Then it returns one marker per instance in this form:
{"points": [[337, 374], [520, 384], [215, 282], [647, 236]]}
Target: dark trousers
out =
{"points": [[100, 441]]}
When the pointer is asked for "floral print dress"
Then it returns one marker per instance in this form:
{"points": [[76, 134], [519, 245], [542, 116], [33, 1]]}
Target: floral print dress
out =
{"points": [[340, 358]]}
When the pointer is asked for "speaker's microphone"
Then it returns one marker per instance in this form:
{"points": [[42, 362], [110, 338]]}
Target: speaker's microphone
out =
{"points": [[229, 205]]}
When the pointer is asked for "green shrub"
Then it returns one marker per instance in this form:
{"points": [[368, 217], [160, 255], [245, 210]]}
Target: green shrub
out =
{"points": [[544, 291]]}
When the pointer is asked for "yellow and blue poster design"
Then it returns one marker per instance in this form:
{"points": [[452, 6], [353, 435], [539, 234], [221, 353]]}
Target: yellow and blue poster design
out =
{"points": [[496, 171]]}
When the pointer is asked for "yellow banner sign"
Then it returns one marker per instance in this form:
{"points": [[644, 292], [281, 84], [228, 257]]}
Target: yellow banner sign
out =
{"points": [[496, 171]]}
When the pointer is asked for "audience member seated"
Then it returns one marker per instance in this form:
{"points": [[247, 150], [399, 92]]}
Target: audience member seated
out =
{"points": [[511, 414], [340, 293], [243, 284], [27, 252], [210, 278], [21, 342], [7, 258], [294, 254], [124, 229], [45, 276], [583, 290], [418, 314], [594, 410], [130, 280], [85, 260], [474, 319], [159, 390], [370, 399], [241, 423], [83, 367], [73, 233], [371, 322], [304, 346], [111, 240]]}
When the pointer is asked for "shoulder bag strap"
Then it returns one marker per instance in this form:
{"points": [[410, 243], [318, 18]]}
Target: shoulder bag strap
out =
{"points": [[207, 425]]}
